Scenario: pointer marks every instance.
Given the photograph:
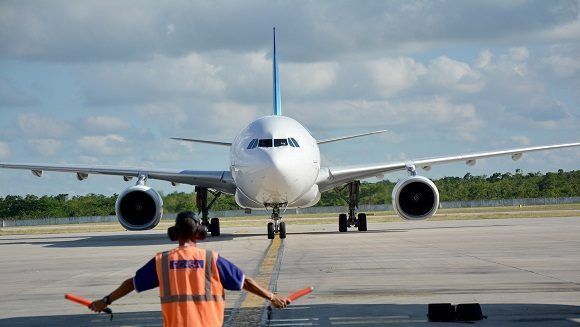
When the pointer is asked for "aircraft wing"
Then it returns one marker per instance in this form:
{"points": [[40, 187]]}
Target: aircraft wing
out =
{"points": [[219, 180], [331, 177]]}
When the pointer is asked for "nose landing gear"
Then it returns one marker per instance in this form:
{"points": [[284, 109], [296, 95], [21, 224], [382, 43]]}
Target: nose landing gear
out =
{"points": [[352, 219], [276, 226]]}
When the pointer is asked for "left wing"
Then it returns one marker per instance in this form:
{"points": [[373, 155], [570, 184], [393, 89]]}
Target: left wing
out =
{"points": [[202, 141], [219, 180], [331, 177]]}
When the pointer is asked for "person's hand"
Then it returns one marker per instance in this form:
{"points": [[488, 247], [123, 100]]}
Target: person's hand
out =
{"points": [[280, 302], [98, 306]]}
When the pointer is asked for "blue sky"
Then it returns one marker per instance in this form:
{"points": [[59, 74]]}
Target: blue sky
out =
{"points": [[108, 82]]}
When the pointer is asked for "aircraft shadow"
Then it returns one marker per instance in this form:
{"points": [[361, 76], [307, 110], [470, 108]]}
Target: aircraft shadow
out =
{"points": [[500, 314], [351, 232], [114, 240], [505, 314]]}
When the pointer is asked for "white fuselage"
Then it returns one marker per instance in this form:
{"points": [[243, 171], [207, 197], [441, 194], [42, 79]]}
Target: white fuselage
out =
{"points": [[275, 161]]}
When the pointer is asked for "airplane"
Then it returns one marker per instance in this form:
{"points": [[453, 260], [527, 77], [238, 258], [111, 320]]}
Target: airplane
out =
{"points": [[275, 165]]}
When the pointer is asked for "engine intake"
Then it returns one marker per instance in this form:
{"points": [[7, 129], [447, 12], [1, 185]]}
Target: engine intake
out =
{"points": [[415, 198], [139, 208]]}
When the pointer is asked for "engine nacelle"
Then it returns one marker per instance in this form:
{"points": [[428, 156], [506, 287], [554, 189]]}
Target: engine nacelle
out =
{"points": [[415, 198], [139, 208]]}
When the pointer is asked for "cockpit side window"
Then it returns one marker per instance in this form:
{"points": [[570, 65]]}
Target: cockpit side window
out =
{"points": [[265, 143], [280, 142], [253, 144], [293, 141]]}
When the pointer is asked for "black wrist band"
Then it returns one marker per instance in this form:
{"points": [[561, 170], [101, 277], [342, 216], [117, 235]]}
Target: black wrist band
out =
{"points": [[107, 300]]}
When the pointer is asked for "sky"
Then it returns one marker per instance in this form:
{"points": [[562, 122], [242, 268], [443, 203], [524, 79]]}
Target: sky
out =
{"points": [[109, 82]]}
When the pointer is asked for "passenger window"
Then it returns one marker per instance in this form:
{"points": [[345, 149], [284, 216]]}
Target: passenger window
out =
{"points": [[253, 144], [293, 140], [265, 143], [280, 142], [291, 143]]}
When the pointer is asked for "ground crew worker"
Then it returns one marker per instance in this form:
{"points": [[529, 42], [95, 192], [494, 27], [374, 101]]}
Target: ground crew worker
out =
{"points": [[191, 280]]}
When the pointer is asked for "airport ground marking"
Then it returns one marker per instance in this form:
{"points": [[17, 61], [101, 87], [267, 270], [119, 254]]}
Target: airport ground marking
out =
{"points": [[250, 311]]}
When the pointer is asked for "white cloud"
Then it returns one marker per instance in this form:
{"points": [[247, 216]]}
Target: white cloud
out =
{"points": [[485, 57], [39, 126], [5, 152], [109, 145], [104, 124], [45, 147], [562, 66], [392, 75], [229, 117], [438, 115], [564, 32], [306, 79], [156, 80], [453, 74], [163, 113], [523, 140], [519, 53]]}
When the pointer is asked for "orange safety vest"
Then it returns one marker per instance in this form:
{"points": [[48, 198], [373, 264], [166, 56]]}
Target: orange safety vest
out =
{"points": [[190, 288]]}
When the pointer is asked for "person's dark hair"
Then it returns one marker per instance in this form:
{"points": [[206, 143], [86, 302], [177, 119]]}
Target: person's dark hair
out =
{"points": [[187, 227]]}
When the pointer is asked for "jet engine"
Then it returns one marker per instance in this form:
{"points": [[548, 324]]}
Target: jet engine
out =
{"points": [[415, 198], [139, 208]]}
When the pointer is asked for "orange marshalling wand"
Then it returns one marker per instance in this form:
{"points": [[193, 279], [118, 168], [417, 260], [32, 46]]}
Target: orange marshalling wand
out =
{"points": [[84, 302], [300, 293]]}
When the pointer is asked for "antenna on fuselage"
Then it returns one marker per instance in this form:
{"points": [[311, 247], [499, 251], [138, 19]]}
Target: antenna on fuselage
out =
{"points": [[277, 102]]}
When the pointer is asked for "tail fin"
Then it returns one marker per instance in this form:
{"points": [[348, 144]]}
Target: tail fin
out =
{"points": [[277, 102]]}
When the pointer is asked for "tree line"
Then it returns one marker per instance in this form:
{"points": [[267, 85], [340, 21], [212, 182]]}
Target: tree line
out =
{"points": [[468, 187]]}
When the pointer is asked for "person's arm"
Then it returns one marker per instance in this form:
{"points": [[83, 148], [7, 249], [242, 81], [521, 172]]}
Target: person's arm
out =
{"points": [[278, 301], [125, 288]]}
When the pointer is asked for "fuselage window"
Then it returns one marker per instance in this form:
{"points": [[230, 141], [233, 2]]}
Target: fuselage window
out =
{"points": [[280, 142], [293, 140], [253, 144], [265, 143]]}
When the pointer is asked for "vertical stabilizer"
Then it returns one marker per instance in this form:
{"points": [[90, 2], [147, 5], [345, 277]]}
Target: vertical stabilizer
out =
{"points": [[277, 102]]}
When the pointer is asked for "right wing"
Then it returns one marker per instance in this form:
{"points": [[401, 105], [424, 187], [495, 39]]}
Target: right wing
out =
{"points": [[332, 177], [348, 137], [218, 180]]}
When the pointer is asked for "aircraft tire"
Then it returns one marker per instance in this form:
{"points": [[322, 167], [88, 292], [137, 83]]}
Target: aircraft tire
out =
{"points": [[342, 223], [362, 222], [214, 227], [270, 231], [282, 230]]}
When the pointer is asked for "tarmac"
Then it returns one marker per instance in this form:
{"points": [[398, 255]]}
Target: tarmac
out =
{"points": [[523, 272]]}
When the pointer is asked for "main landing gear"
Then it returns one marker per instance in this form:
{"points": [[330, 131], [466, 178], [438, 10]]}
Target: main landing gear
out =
{"points": [[276, 226], [352, 219], [213, 225]]}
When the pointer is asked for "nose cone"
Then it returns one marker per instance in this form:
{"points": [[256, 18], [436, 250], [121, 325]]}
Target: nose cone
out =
{"points": [[278, 176]]}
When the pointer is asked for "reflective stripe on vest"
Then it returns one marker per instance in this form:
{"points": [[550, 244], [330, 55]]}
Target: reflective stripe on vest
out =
{"points": [[166, 297]]}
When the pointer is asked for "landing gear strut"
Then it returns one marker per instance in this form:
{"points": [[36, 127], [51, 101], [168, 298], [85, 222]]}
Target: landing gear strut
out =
{"points": [[276, 226], [213, 225], [352, 219]]}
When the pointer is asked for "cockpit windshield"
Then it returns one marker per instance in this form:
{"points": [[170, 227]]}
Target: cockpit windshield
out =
{"points": [[265, 143], [293, 142], [253, 144], [280, 142], [268, 143]]}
